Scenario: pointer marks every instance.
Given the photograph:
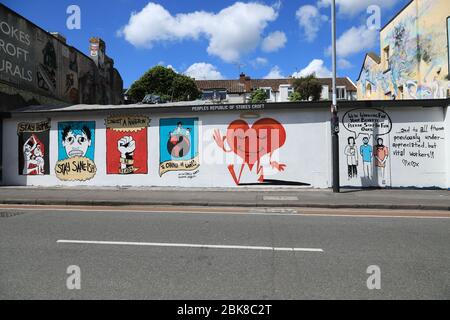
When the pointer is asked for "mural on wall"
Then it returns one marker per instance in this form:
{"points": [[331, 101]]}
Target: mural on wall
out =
{"points": [[255, 145], [76, 149], [126, 144], [366, 126], [46, 75], [178, 146], [71, 83], [16, 45], [33, 148], [352, 157], [415, 61], [415, 145]]}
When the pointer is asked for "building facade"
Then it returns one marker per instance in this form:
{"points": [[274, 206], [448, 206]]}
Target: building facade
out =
{"points": [[415, 55], [277, 90], [38, 67], [388, 144]]}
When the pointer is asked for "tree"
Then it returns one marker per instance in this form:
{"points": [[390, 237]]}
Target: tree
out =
{"points": [[295, 97], [307, 88], [258, 96], [165, 83]]}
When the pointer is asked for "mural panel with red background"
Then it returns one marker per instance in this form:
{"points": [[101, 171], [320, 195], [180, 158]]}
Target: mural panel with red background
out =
{"points": [[126, 145]]}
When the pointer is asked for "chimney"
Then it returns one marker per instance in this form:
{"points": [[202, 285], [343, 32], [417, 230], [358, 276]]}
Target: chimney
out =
{"points": [[59, 36], [246, 81], [97, 47]]}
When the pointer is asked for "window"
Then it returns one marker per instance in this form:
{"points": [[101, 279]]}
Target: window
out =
{"points": [[218, 94], [400, 92], [387, 57], [290, 91], [341, 93], [368, 90], [268, 92]]}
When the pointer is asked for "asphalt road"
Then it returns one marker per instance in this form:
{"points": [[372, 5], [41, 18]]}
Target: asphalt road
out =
{"points": [[251, 254]]}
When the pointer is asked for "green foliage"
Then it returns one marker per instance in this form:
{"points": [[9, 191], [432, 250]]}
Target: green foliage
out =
{"points": [[166, 83], [258, 96], [307, 88], [295, 97]]}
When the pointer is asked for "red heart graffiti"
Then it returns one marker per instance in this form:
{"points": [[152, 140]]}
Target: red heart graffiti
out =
{"points": [[251, 143]]}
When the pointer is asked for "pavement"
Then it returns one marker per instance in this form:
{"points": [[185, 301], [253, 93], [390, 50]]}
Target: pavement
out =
{"points": [[243, 197], [188, 255]]}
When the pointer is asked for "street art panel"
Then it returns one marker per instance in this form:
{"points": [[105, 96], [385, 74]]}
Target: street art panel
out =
{"points": [[414, 56], [34, 148], [71, 91], [254, 146], [448, 46], [367, 126], [76, 150], [419, 145], [179, 145], [126, 144], [48, 67]]}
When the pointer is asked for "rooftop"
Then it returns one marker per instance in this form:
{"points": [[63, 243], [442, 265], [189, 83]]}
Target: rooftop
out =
{"points": [[205, 106], [240, 85]]}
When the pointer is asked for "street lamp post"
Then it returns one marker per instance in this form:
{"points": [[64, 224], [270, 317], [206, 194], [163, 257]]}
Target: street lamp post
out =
{"points": [[334, 114]]}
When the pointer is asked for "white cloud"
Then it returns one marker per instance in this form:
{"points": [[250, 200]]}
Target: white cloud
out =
{"points": [[274, 41], [232, 32], [275, 73], [355, 40], [353, 7], [203, 71], [344, 64], [315, 66], [172, 67], [259, 62], [310, 20], [162, 63]]}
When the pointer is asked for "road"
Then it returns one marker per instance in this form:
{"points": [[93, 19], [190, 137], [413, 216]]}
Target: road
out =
{"points": [[208, 253]]}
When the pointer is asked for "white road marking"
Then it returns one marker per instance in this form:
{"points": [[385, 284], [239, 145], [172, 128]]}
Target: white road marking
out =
{"points": [[280, 198], [186, 245], [251, 212]]}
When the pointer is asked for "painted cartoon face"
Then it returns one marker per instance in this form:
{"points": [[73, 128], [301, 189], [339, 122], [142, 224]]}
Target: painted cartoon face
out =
{"points": [[251, 143], [351, 141], [27, 149], [76, 145], [366, 141], [38, 151]]}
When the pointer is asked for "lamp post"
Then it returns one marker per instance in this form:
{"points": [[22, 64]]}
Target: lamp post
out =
{"points": [[334, 111]]}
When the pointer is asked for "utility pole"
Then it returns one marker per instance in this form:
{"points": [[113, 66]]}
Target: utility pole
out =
{"points": [[334, 111]]}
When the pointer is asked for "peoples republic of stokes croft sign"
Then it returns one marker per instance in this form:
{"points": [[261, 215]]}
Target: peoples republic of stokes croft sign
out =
{"points": [[16, 63]]}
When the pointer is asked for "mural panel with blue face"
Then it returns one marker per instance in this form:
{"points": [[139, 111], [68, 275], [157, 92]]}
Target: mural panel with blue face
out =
{"points": [[76, 139], [76, 151]]}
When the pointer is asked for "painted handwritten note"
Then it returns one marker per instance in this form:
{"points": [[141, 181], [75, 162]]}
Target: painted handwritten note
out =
{"points": [[416, 143]]}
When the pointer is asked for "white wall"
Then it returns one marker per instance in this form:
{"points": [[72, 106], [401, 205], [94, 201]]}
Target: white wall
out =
{"points": [[421, 165], [303, 153], [284, 94], [236, 98], [306, 152], [447, 127]]}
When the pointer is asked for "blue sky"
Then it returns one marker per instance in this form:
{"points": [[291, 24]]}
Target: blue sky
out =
{"points": [[216, 39]]}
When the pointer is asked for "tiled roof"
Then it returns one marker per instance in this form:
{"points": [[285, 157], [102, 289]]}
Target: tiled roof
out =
{"points": [[235, 86], [232, 86]]}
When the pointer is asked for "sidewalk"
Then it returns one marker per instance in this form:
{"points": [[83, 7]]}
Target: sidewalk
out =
{"points": [[245, 197]]}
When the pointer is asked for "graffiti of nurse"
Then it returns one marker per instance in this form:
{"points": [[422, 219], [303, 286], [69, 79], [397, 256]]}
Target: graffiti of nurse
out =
{"points": [[76, 142]]}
